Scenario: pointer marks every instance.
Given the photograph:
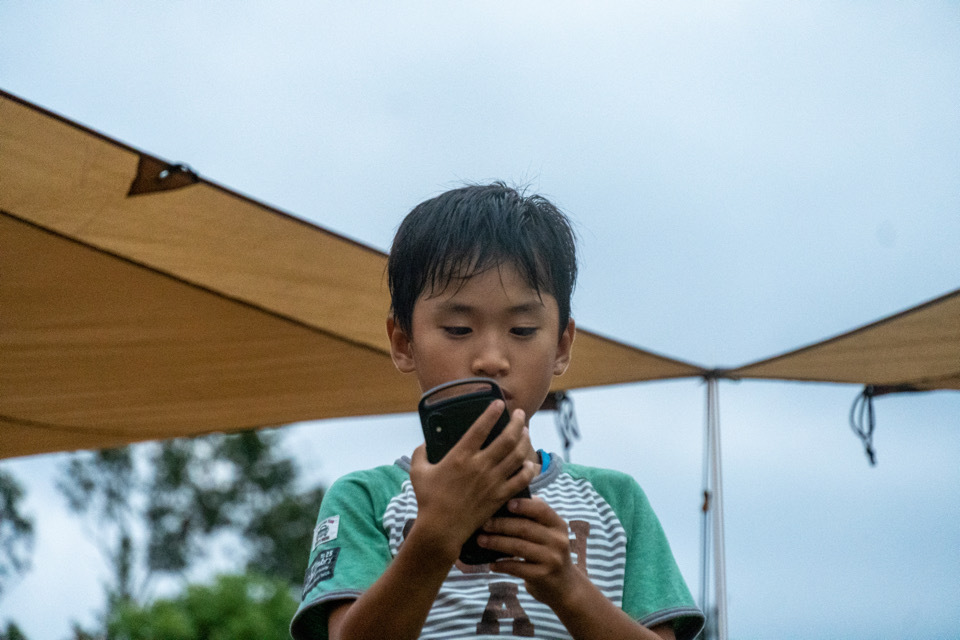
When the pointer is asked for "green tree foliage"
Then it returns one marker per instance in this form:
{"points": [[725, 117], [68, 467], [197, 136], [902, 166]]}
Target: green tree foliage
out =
{"points": [[12, 632], [156, 508], [280, 537], [102, 485], [234, 607], [16, 535]]}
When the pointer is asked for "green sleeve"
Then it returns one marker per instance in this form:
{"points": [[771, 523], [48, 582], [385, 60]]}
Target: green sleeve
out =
{"points": [[350, 549], [654, 591]]}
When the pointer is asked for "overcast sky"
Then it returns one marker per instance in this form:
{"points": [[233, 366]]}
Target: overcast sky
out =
{"points": [[746, 178]]}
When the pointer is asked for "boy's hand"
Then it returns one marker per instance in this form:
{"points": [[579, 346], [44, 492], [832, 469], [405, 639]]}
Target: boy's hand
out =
{"points": [[461, 492], [540, 544]]}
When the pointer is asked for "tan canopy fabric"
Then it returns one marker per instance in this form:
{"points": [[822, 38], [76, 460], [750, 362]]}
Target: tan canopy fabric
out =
{"points": [[917, 349], [139, 301]]}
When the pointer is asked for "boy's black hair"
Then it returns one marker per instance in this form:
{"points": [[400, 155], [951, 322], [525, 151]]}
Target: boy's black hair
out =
{"points": [[471, 229]]}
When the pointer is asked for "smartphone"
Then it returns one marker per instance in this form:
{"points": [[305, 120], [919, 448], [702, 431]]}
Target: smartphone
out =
{"points": [[446, 412]]}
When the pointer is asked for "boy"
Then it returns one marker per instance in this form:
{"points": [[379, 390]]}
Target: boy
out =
{"points": [[480, 280]]}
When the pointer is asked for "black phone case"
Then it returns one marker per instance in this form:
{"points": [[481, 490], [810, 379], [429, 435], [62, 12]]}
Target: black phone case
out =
{"points": [[445, 420]]}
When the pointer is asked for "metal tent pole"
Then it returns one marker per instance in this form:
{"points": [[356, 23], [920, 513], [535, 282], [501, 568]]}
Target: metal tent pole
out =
{"points": [[712, 522], [705, 552]]}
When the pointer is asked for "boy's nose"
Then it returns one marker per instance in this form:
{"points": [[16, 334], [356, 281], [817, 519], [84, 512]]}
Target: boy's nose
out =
{"points": [[491, 361]]}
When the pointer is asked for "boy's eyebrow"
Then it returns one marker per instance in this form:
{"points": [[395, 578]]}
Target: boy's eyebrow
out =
{"points": [[460, 307]]}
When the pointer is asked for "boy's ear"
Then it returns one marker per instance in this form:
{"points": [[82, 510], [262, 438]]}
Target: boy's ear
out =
{"points": [[401, 349], [564, 348]]}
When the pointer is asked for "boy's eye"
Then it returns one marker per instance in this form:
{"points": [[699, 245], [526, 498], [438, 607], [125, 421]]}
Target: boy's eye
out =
{"points": [[457, 331], [523, 332]]}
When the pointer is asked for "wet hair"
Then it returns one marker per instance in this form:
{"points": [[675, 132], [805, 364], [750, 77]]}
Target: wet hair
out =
{"points": [[466, 231]]}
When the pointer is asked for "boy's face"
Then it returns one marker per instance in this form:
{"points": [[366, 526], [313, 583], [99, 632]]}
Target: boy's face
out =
{"points": [[495, 325]]}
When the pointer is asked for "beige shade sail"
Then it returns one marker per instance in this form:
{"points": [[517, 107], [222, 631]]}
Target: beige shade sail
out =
{"points": [[917, 349], [139, 301]]}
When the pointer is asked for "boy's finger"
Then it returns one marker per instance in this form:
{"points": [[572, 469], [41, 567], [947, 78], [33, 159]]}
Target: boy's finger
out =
{"points": [[509, 451], [477, 434], [420, 453], [519, 479], [511, 438], [535, 509]]}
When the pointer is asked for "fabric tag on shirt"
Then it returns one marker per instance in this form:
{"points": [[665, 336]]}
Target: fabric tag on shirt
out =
{"points": [[321, 569], [326, 531]]}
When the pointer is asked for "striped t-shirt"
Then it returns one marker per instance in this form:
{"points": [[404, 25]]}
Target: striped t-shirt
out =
{"points": [[614, 536]]}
